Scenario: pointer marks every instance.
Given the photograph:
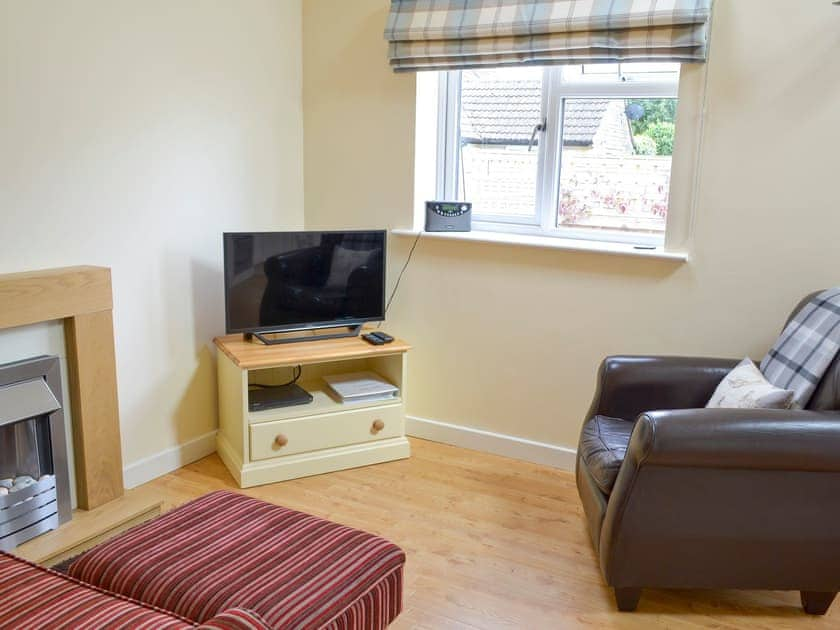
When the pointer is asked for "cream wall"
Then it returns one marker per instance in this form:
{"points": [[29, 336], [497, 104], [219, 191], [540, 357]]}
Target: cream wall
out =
{"points": [[131, 135], [507, 338]]}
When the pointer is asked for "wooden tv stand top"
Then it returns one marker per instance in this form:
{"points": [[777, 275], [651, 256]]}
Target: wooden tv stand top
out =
{"points": [[254, 354]]}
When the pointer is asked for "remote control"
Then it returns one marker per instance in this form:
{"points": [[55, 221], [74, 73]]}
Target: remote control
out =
{"points": [[385, 337], [372, 339]]}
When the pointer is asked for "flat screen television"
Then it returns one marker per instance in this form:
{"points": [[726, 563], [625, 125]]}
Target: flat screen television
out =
{"points": [[281, 281]]}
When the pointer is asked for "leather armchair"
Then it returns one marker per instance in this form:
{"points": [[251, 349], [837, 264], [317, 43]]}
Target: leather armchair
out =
{"points": [[711, 498]]}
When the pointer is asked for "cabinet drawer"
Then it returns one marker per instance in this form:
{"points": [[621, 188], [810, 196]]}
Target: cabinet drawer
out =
{"points": [[287, 437]]}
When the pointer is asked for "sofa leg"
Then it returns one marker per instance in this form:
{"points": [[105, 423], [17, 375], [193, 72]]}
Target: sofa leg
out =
{"points": [[816, 602], [627, 598]]}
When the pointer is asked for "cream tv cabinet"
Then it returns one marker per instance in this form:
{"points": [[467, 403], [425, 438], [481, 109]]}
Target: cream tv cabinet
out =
{"points": [[322, 436]]}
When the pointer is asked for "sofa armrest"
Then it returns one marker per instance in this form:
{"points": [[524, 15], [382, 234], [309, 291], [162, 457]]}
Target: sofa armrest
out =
{"points": [[630, 385], [236, 619], [764, 439], [700, 487]]}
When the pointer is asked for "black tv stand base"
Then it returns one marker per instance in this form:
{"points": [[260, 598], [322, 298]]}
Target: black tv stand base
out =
{"points": [[350, 331]]}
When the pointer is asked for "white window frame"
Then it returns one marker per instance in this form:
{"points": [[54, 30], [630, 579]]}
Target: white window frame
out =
{"points": [[555, 88]]}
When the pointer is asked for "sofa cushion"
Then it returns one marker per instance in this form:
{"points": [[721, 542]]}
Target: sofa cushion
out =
{"points": [[227, 550], [746, 388], [34, 597], [603, 443]]}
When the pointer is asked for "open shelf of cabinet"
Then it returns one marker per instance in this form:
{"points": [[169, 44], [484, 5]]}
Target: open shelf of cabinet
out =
{"points": [[322, 403], [322, 436]]}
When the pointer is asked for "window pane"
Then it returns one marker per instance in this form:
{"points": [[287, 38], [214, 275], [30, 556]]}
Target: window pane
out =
{"points": [[600, 68], [615, 171], [672, 69], [607, 73], [498, 168]]}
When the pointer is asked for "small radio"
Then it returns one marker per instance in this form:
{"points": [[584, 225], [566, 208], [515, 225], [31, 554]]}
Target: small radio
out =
{"points": [[448, 216]]}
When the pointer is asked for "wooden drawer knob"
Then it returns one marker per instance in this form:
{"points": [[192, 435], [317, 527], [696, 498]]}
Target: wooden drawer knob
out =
{"points": [[281, 440], [377, 426]]}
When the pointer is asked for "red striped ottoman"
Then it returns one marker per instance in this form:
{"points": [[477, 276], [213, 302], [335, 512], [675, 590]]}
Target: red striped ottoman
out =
{"points": [[226, 550]]}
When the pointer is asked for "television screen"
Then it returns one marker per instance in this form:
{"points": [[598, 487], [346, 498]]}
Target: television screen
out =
{"points": [[286, 280]]}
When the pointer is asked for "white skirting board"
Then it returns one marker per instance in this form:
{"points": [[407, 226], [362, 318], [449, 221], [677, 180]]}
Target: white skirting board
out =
{"points": [[497, 443], [169, 460], [511, 446]]}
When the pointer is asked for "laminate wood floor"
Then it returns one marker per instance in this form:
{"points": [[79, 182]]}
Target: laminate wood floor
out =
{"points": [[492, 543]]}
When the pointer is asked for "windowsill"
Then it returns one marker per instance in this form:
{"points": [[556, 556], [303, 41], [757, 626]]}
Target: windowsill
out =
{"points": [[551, 242]]}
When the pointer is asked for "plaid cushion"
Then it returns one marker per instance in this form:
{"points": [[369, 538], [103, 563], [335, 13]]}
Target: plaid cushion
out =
{"points": [[226, 550], [34, 597], [449, 34], [806, 347]]}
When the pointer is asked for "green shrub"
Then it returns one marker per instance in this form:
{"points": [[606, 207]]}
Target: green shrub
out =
{"points": [[663, 135], [653, 110], [645, 145]]}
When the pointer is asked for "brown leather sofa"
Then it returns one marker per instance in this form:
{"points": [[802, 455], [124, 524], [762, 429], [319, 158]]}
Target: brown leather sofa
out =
{"points": [[679, 496]]}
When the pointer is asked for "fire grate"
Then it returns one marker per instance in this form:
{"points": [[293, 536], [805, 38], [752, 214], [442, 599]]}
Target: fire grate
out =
{"points": [[34, 482]]}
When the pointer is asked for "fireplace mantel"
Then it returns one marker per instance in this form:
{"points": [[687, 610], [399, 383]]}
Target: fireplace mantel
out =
{"points": [[81, 296]]}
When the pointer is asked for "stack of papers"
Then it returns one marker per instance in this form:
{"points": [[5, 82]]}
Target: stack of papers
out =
{"points": [[361, 387]]}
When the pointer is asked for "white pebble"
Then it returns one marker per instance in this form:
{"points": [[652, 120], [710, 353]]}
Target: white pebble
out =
{"points": [[3, 490], [22, 482]]}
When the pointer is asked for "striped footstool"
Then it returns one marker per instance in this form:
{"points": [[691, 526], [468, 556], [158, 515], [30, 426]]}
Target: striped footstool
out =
{"points": [[226, 550]]}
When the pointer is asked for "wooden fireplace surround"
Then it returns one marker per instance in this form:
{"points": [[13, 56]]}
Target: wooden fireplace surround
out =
{"points": [[81, 296]]}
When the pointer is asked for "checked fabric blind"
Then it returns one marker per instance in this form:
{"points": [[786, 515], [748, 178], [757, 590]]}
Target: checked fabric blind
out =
{"points": [[458, 34]]}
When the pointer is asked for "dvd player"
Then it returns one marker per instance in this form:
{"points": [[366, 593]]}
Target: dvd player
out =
{"points": [[279, 396]]}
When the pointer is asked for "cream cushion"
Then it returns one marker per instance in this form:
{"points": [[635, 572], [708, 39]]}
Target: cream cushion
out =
{"points": [[746, 388]]}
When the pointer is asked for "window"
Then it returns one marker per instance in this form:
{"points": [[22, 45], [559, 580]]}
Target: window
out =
{"points": [[578, 151]]}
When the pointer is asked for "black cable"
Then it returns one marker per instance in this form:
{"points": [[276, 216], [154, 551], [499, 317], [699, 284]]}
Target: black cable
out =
{"points": [[399, 277], [297, 371]]}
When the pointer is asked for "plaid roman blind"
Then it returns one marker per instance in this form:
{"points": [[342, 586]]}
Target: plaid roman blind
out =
{"points": [[457, 34]]}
